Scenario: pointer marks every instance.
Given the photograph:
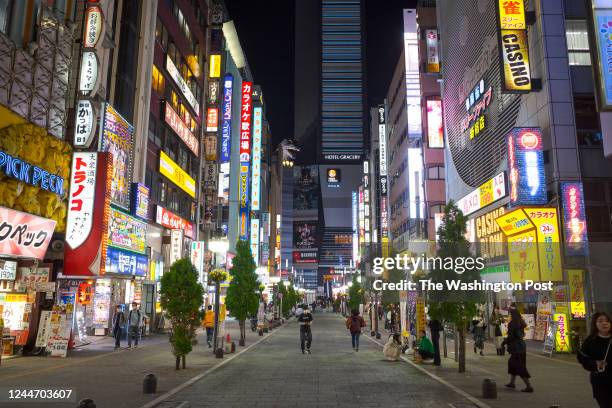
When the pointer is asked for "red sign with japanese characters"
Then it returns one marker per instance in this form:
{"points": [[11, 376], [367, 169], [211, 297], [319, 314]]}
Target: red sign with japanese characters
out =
{"points": [[181, 129], [245, 122], [172, 221], [24, 235]]}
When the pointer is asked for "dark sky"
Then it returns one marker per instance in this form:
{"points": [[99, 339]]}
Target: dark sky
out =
{"points": [[266, 32]]}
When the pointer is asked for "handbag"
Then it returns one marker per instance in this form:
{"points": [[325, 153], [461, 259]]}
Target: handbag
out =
{"points": [[605, 359]]}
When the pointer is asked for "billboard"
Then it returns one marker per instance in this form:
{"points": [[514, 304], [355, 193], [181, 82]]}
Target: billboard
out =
{"points": [[256, 162], [117, 137], [305, 256], [181, 128], [413, 81], [226, 118], [140, 201], [514, 47], [126, 232], [243, 198], [176, 174], [172, 221], [486, 194], [574, 219], [245, 122], [305, 234], [183, 86], [435, 126], [526, 165], [433, 53], [23, 234], [305, 191], [126, 263]]}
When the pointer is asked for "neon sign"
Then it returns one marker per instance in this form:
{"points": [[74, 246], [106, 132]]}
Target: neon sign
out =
{"points": [[30, 174], [226, 123], [526, 164], [574, 219]]}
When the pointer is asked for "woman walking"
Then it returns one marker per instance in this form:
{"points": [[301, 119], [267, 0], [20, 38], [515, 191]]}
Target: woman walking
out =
{"points": [[354, 324], [517, 363], [497, 319], [595, 356]]}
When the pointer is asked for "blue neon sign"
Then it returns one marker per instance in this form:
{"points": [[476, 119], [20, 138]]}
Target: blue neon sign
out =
{"points": [[126, 263], [526, 165], [31, 174]]}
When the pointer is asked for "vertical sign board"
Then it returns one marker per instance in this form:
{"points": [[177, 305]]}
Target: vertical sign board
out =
{"points": [[355, 211], [382, 170], [602, 21], [433, 54], [197, 259], [526, 166], [562, 343], [226, 119], [435, 127], [514, 47], [243, 222], [256, 171], [176, 245], [413, 74], [245, 159], [574, 219], [254, 240], [575, 278]]}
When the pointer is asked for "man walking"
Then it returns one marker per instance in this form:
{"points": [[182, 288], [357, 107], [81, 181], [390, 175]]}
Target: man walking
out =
{"points": [[209, 325], [305, 321], [118, 323], [135, 320], [354, 323]]}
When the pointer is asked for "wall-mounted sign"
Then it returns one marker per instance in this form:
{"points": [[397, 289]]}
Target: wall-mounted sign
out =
{"points": [[254, 240], [486, 194], [93, 26], [88, 77], [81, 198], [433, 55], [126, 232], [214, 70], [116, 137], [305, 256], [172, 221], [140, 201], [526, 165], [602, 18], [354, 224], [84, 121], [176, 245], [490, 239], [382, 141], [412, 76], [575, 279], [226, 120], [24, 235], [126, 263], [210, 147], [256, 166], [245, 122], [435, 127], [8, 270], [511, 14], [210, 176], [177, 175], [574, 219], [28, 173], [478, 102], [562, 340], [212, 119], [334, 176], [515, 53], [85, 293], [197, 259], [243, 195], [213, 91], [185, 90], [181, 129]]}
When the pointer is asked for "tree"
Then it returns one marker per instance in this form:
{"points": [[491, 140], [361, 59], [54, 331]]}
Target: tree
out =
{"points": [[355, 294], [392, 296], [456, 307], [289, 297], [242, 298], [181, 296]]}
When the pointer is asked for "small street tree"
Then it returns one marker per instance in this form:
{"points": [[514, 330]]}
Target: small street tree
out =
{"points": [[242, 298], [355, 294], [181, 296], [454, 306]]}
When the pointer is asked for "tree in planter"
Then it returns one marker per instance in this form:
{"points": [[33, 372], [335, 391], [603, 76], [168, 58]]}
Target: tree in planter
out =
{"points": [[242, 298], [456, 307], [181, 297], [355, 294]]}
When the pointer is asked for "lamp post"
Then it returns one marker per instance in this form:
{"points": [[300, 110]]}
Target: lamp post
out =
{"points": [[217, 246]]}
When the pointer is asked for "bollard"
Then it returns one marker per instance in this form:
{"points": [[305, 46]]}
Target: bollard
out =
{"points": [[149, 384], [489, 389], [219, 353], [86, 403], [261, 332]]}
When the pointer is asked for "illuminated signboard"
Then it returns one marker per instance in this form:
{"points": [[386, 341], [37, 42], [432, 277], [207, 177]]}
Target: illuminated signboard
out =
{"points": [[433, 54], [126, 232], [212, 119], [84, 120], [361, 218], [413, 80], [213, 91], [416, 190], [226, 119], [245, 122], [181, 129], [511, 14], [255, 240], [140, 201], [305, 256], [24, 235], [602, 18], [178, 79], [197, 259], [21, 170], [176, 245], [476, 107], [488, 193], [574, 219], [256, 167], [126, 263], [243, 198], [526, 165], [174, 173], [515, 52], [334, 176], [562, 340], [81, 198], [88, 77], [210, 147], [116, 137], [382, 141], [93, 26], [575, 279], [172, 221], [490, 238], [435, 127], [214, 70], [355, 211]]}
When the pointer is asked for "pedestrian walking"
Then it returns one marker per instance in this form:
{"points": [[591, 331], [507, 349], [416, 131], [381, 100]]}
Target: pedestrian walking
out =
{"points": [[118, 323], [478, 328], [393, 347], [436, 327], [354, 323], [596, 357], [425, 347], [209, 324], [517, 363], [135, 322], [305, 321], [497, 319]]}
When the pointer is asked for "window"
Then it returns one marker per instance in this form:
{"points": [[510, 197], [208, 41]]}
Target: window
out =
{"points": [[435, 173], [159, 82], [435, 209], [577, 42], [587, 121]]}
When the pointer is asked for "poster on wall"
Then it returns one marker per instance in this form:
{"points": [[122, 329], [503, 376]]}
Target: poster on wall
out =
{"points": [[126, 232], [304, 234]]}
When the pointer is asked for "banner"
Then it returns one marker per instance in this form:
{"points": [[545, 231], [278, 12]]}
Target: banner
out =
{"points": [[304, 234], [23, 234]]}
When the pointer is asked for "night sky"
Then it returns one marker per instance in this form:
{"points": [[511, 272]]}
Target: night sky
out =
{"points": [[266, 32]]}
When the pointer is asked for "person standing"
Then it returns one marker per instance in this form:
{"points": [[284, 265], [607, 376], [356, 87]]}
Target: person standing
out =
{"points": [[517, 363], [479, 333], [209, 324], [118, 323], [135, 319], [497, 319], [436, 327], [305, 321], [596, 357], [354, 323]]}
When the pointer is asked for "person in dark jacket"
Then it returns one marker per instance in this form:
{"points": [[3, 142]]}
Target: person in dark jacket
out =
{"points": [[596, 357], [305, 321], [354, 323], [517, 363], [436, 327], [118, 323], [497, 319]]}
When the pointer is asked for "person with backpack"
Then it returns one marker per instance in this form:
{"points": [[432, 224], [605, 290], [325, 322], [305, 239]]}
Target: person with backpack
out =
{"points": [[354, 323], [595, 355], [118, 323], [135, 322]]}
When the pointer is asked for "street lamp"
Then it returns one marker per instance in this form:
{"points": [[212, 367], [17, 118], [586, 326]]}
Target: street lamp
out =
{"points": [[217, 246]]}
